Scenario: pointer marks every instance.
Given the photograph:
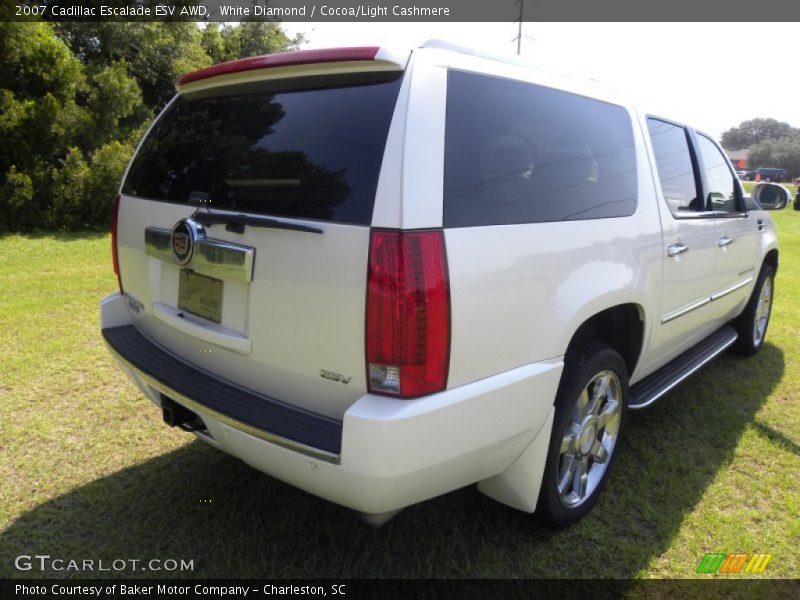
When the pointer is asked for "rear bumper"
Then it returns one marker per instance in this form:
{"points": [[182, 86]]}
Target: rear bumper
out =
{"points": [[200, 392], [384, 455]]}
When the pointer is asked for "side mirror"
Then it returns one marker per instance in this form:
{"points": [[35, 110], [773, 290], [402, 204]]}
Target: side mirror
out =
{"points": [[771, 196]]}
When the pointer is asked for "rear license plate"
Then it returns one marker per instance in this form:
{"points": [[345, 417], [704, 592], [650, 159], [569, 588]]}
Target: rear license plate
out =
{"points": [[200, 295]]}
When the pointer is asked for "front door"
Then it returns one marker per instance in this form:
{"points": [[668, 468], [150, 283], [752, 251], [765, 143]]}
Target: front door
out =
{"points": [[737, 232]]}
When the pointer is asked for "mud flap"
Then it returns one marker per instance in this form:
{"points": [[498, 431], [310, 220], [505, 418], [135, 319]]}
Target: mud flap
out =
{"points": [[518, 486]]}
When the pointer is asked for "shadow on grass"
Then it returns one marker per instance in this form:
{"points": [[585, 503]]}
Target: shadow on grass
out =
{"points": [[198, 503], [777, 437]]}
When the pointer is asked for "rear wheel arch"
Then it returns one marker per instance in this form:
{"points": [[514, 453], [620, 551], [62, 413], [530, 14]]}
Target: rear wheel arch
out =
{"points": [[620, 327]]}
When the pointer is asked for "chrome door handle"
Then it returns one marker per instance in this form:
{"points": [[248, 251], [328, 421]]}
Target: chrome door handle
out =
{"points": [[676, 249], [724, 241], [761, 225]]}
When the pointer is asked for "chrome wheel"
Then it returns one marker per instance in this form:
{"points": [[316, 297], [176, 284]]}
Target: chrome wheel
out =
{"points": [[590, 438], [763, 309]]}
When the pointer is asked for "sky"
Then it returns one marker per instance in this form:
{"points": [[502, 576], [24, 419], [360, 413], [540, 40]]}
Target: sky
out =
{"points": [[711, 76]]}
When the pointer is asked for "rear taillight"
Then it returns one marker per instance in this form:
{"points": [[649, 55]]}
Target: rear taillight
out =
{"points": [[114, 255], [408, 313]]}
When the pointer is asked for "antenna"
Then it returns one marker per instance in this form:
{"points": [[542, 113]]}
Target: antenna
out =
{"points": [[519, 30]]}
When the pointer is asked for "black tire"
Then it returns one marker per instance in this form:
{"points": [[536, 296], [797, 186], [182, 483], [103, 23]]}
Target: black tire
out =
{"points": [[750, 340], [563, 505]]}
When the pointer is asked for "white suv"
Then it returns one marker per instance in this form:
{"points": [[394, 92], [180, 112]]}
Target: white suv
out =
{"points": [[382, 276]]}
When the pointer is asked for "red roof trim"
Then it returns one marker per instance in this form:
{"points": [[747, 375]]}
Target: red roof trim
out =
{"points": [[283, 59]]}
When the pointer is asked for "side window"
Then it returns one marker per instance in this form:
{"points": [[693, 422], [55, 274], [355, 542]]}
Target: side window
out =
{"points": [[719, 177], [675, 170], [516, 152]]}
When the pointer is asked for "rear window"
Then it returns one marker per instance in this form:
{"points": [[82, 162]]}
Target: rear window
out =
{"points": [[307, 148], [521, 153]]}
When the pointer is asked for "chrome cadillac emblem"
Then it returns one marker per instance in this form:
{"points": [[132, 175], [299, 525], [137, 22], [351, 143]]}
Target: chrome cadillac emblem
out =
{"points": [[185, 235], [180, 242]]}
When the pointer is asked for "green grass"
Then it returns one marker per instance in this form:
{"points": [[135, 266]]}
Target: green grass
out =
{"points": [[89, 470], [748, 186]]}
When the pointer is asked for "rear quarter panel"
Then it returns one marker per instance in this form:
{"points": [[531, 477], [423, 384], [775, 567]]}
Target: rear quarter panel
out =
{"points": [[519, 292]]}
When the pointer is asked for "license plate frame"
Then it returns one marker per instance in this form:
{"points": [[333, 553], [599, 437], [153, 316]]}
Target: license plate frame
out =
{"points": [[200, 295]]}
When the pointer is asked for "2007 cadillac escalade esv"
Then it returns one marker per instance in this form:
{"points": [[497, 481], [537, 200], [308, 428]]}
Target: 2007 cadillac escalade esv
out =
{"points": [[382, 276]]}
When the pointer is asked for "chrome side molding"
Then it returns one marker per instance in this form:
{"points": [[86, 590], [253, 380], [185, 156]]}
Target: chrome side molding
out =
{"points": [[731, 289], [679, 312], [215, 258], [671, 316]]}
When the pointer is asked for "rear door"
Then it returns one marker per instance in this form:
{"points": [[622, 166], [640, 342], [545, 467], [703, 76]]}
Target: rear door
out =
{"points": [[689, 243], [269, 186]]}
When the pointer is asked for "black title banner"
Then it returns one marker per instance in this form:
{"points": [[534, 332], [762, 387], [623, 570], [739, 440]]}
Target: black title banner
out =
{"points": [[397, 10]]}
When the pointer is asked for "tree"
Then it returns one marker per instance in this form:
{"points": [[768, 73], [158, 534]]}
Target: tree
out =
{"points": [[754, 131], [36, 63], [40, 118], [213, 43], [246, 39], [256, 38], [783, 153], [76, 97], [157, 54]]}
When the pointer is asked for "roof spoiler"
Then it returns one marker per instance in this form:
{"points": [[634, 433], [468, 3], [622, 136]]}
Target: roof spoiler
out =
{"points": [[328, 59]]}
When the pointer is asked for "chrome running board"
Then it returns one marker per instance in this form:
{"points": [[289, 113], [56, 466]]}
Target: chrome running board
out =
{"points": [[655, 385]]}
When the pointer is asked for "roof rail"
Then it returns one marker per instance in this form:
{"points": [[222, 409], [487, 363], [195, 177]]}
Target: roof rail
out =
{"points": [[504, 58], [445, 45]]}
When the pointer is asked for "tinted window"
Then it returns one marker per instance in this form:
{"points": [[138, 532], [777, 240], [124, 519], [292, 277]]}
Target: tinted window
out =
{"points": [[675, 170], [719, 177], [521, 153], [308, 153]]}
